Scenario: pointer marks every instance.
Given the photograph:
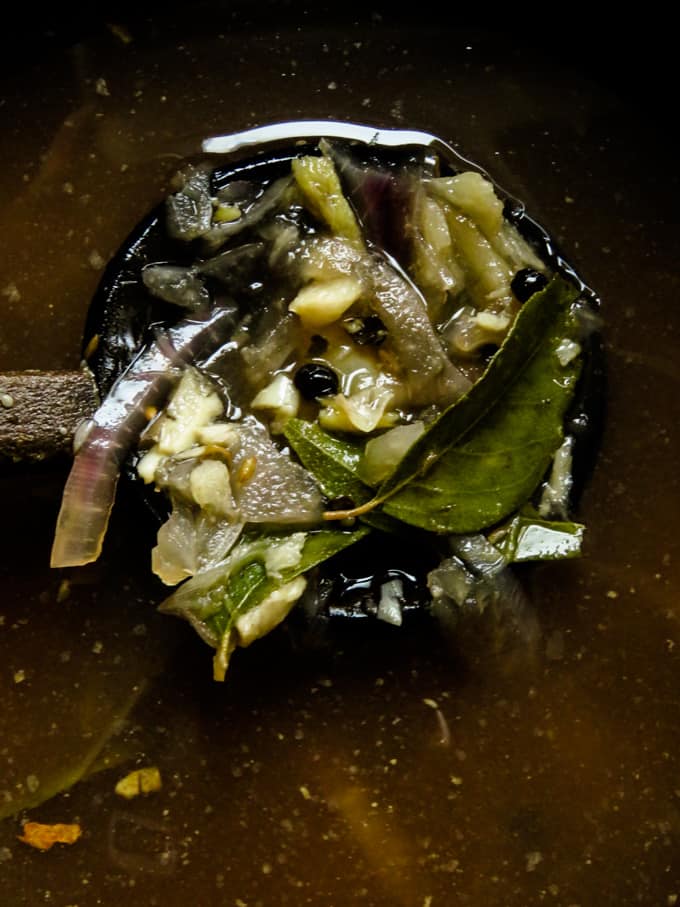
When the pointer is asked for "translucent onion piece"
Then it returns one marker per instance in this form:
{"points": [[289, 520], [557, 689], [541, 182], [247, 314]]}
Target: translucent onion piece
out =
{"points": [[176, 285], [189, 211], [191, 541], [430, 375], [272, 488], [382, 453], [219, 233]]}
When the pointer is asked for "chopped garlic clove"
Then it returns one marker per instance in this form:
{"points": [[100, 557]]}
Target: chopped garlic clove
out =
{"points": [[322, 302], [284, 555], [567, 351], [149, 463], [261, 619], [362, 412], [391, 599], [224, 434], [193, 405], [211, 488], [491, 321], [281, 398], [226, 214]]}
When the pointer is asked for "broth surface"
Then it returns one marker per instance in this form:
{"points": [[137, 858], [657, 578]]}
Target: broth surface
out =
{"points": [[378, 767]]}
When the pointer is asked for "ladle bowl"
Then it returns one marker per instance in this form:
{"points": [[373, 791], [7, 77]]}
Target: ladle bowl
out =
{"points": [[122, 311]]}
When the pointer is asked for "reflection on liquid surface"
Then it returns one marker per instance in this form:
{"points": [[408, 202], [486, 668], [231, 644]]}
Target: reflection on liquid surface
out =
{"points": [[387, 769]]}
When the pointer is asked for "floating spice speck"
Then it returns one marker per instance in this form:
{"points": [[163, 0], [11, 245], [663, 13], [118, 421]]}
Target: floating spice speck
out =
{"points": [[43, 837]]}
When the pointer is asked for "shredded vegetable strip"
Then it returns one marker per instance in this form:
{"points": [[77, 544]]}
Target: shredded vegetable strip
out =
{"points": [[116, 426]]}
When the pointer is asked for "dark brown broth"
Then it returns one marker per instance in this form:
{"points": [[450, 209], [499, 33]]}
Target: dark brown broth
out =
{"points": [[389, 770]]}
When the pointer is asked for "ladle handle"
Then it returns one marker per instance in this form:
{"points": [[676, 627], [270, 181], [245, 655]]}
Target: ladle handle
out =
{"points": [[40, 411]]}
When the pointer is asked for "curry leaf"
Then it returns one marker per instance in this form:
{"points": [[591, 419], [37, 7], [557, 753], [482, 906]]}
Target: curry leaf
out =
{"points": [[533, 325], [332, 461], [495, 466], [212, 601], [535, 320]]}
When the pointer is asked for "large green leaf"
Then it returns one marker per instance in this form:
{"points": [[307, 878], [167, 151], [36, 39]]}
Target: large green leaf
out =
{"points": [[493, 468], [535, 321], [531, 332]]}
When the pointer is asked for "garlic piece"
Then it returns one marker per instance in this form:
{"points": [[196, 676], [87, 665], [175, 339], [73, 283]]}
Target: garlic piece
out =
{"points": [[322, 302]]}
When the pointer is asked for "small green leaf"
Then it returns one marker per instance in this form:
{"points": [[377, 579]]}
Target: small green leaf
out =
{"points": [[213, 600], [528, 538], [333, 462]]}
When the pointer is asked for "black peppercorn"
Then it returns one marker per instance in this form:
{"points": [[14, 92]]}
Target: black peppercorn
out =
{"points": [[366, 331], [316, 379], [527, 282]]}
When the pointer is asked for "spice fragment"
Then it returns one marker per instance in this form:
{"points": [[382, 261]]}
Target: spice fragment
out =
{"points": [[42, 836], [139, 781]]}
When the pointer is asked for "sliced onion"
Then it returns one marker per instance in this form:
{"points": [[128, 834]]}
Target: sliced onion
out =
{"points": [[272, 488], [176, 285], [191, 541], [430, 376], [189, 211], [116, 426], [270, 198], [231, 267], [382, 453]]}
